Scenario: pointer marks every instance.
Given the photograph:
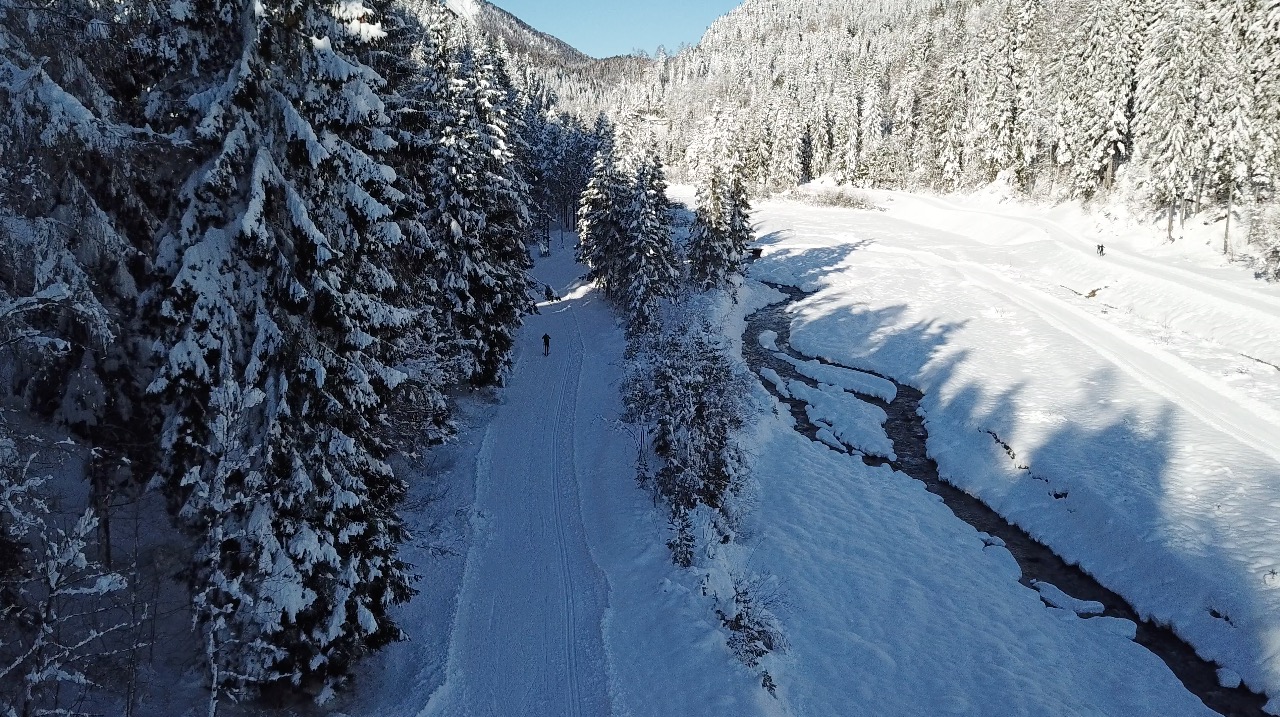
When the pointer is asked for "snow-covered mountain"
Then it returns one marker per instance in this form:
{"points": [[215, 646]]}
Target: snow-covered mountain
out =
{"points": [[540, 47]]}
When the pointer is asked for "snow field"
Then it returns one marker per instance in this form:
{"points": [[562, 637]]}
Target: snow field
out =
{"points": [[892, 605], [1134, 457]]}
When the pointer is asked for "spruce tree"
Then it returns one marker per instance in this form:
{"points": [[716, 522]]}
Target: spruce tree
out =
{"points": [[1170, 104], [708, 236], [482, 211], [737, 208], [507, 295], [275, 327], [649, 269], [1096, 94], [603, 222], [414, 61]]}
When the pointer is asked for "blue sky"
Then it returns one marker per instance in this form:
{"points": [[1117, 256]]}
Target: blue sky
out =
{"points": [[602, 28]]}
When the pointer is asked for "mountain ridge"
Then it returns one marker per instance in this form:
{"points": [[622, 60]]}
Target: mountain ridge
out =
{"points": [[519, 36]]}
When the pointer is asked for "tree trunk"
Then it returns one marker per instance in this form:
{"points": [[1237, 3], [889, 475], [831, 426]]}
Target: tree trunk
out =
{"points": [[1226, 233], [1169, 230]]}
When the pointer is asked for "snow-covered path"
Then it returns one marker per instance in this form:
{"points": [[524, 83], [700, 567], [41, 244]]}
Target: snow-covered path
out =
{"points": [[1256, 296], [527, 636], [569, 603], [1199, 393]]}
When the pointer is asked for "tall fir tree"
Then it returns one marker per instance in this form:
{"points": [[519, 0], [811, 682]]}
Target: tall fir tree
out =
{"points": [[275, 327], [1170, 104], [721, 227], [649, 269], [483, 212], [415, 62], [603, 221], [1098, 81], [708, 261]]}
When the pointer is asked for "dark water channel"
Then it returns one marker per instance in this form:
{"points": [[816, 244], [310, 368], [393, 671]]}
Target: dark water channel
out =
{"points": [[905, 428]]}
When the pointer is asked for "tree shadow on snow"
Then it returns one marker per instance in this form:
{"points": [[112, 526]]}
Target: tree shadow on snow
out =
{"points": [[1079, 472]]}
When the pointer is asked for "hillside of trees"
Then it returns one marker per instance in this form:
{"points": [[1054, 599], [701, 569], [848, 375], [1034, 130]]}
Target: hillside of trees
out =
{"points": [[1172, 107]]}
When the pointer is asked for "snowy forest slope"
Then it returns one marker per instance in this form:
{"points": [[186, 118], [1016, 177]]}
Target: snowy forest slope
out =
{"points": [[1170, 107]]}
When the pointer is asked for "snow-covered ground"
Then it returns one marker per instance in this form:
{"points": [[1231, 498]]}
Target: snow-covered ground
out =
{"points": [[1139, 391], [567, 601]]}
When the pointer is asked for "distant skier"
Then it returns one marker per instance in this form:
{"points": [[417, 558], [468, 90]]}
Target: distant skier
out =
{"points": [[548, 292], [1102, 250], [546, 344]]}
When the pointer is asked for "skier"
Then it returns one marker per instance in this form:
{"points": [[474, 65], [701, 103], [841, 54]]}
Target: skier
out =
{"points": [[546, 344], [1102, 250], [549, 293]]}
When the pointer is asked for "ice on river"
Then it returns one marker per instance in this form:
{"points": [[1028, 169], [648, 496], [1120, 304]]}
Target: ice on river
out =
{"points": [[854, 422]]}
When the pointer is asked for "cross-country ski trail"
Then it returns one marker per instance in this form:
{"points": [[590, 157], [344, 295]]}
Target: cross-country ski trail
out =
{"points": [[527, 637]]}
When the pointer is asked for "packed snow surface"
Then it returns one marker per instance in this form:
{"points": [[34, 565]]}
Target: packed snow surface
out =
{"points": [[568, 603], [1137, 392]]}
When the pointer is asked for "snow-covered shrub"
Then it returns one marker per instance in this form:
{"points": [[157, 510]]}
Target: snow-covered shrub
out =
{"points": [[754, 629], [682, 542], [844, 198]]}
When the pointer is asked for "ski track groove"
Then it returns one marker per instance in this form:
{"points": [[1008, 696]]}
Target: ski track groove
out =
{"points": [[493, 662], [566, 577]]}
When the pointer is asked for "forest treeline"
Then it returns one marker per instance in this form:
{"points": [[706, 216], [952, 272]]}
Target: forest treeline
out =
{"points": [[249, 249], [1172, 107]]}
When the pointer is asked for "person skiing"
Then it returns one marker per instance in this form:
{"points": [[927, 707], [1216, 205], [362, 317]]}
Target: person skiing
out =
{"points": [[1102, 250], [549, 292], [546, 344]]}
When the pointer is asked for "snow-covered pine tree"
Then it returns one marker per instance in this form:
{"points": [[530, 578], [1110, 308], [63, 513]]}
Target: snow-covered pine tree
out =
{"points": [[648, 270], [1097, 76], [1170, 104], [414, 61], [708, 235], [1006, 82], [507, 296], [685, 389], [944, 115], [54, 588], [74, 212], [1263, 38], [737, 207], [722, 226], [483, 212], [274, 378], [603, 221], [1229, 105]]}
